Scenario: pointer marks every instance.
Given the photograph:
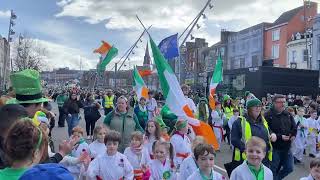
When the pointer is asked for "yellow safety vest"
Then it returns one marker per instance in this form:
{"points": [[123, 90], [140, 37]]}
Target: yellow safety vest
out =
{"points": [[108, 101], [246, 135], [228, 112]]}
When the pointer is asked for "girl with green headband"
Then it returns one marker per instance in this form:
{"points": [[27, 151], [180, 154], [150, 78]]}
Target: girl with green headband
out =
{"points": [[181, 142], [25, 145]]}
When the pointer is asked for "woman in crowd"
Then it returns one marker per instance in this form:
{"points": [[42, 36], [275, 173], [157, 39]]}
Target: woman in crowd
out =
{"points": [[123, 120]]}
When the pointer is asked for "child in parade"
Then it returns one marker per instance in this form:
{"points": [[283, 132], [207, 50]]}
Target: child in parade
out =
{"points": [[204, 156], [252, 168], [74, 161], [313, 126], [233, 118], [299, 144], [162, 167], [189, 165], [217, 122], [121, 167], [134, 154], [181, 142], [314, 170], [141, 112], [152, 134], [97, 147], [24, 146]]}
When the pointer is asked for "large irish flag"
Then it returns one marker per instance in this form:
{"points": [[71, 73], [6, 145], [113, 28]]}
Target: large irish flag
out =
{"points": [[175, 99], [138, 85], [215, 80]]}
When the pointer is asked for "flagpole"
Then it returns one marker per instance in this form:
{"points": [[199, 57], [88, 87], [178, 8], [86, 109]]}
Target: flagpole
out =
{"points": [[134, 45]]}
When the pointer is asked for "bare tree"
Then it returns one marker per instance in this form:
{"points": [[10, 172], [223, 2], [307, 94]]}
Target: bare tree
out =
{"points": [[28, 54]]}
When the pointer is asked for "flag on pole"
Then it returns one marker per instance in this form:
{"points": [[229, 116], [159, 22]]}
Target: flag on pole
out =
{"points": [[113, 52], [169, 47], [107, 52], [215, 80], [139, 86], [103, 49], [175, 99]]}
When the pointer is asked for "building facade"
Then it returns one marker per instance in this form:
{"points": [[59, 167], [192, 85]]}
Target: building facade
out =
{"points": [[279, 33], [316, 43], [245, 48], [61, 76], [296, 51]]}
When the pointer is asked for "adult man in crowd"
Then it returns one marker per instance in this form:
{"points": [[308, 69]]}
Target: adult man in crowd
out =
{"points": [[283, 125], [108, 101]]}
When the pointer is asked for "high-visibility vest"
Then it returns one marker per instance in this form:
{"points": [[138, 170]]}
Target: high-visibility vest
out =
{"points": [[108, 101], [246, 135], [228, 111]]}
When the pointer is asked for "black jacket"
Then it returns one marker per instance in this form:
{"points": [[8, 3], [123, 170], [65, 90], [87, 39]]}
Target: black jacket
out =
{"points": [[281, 124], [257, 129], [72, 106]]}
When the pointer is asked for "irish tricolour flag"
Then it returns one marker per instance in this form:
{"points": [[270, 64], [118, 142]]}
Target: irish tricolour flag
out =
{"points": [[107, 52], [138, 85], [175, 99], [215, 80]]}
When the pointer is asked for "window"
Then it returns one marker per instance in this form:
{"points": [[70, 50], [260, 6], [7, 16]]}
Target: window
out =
{"points": [[276, 35], [233, 48], [275, 51], [305, 55], [318, 44], [255, 61], [293, 56], [242, 62]]}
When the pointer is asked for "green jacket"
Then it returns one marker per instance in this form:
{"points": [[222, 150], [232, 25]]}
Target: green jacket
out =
{"points": [[61, 98], [11, 174], [123, 123]]}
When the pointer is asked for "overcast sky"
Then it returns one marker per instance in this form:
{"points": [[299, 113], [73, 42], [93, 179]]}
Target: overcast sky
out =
{"points": [[70, 29]]}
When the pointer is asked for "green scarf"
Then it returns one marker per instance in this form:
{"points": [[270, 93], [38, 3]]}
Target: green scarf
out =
{"points": [[258, 174]]}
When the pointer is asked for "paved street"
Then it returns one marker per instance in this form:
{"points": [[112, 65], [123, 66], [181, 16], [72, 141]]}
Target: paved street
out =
{"points": [[222, 157]]}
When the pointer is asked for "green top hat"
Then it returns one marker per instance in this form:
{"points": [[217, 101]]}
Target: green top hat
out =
{"points": [[27, 87]]}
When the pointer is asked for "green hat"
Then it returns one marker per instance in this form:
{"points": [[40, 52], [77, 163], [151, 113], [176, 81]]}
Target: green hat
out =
{"points": [[226, 97], [246, 93], [27, 87], [253, 102]]}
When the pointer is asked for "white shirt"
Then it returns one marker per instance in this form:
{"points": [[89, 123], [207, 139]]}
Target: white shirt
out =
{"points": [[196, 175], [110, 167], [180, 145], [147, 150], [217, 119], [151, 104], [71, 162], [96, 148], [133, 158], [187, 167], [157, 170], [307, 178]]}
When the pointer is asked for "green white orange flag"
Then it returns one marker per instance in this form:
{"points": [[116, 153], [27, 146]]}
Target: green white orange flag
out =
{"points": [[107, 52], [175, 99], [138, 85], [215, 80]]}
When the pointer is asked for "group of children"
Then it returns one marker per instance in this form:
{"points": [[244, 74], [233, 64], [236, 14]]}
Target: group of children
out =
{"points": [[149, 156], [308, 136]]}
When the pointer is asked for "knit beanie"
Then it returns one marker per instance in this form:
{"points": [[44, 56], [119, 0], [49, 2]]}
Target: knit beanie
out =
{"points": [[246, 93], [253, 102]]}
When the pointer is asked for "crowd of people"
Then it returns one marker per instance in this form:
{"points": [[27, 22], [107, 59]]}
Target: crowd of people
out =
{"points": [[142, 139]]}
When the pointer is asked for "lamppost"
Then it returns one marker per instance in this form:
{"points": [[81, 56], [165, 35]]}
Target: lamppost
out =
{"points": [[11, 32]]}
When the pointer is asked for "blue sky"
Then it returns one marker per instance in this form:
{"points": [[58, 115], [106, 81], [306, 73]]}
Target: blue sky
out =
{"points": [[70, 29]]}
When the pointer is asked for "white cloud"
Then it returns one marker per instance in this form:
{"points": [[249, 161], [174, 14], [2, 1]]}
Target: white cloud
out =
{"points": [[59, 55], [5, 14]]}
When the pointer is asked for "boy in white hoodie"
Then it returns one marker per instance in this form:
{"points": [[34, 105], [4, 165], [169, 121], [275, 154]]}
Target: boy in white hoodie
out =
{"points": [[252, 168]]}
